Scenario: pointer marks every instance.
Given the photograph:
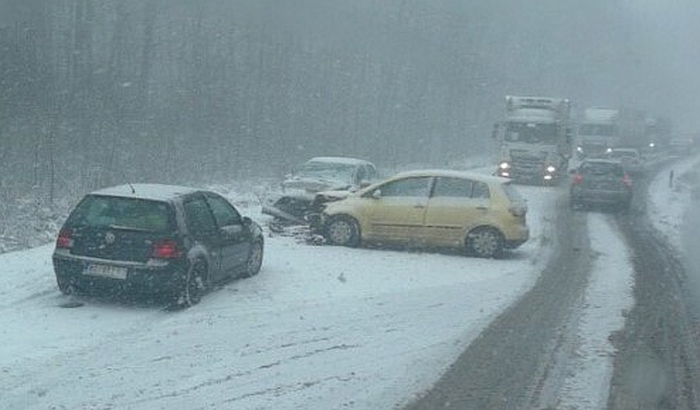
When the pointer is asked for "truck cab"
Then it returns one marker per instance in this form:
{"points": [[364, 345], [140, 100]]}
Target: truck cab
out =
{"points": [[535, 139]]}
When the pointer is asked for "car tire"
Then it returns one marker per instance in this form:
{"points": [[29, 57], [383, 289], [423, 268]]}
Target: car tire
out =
{"points": [[255, 258], [343, 231], [193, 285], [65, 286], [485, 242]]}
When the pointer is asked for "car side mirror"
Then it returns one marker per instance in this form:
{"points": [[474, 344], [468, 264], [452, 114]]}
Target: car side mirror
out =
{"points": [[377, 194], [247, 221], [231, 231]]}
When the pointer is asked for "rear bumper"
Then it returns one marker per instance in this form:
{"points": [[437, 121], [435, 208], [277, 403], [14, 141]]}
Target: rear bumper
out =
{"points": [[156, 277], [600, 196], [516, 237]]}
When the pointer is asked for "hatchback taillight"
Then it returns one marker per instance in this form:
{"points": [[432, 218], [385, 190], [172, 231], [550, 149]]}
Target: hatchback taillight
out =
{"points": [[65, 239], [166, 249]]}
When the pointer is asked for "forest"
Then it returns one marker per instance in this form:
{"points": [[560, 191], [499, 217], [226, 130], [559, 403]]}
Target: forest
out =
{"points": [[101, 92]]}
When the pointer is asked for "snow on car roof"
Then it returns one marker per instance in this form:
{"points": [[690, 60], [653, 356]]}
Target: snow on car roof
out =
{"points": [[146, 191], [601, 161], [625, 150], [340, 160], [452, 173]]}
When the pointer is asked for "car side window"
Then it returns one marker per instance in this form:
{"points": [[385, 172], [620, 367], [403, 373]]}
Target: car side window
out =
{"points": [[200, 220], [361, 175], [415, 187], [224, 213], [480, 190], [371, 173], [452, 187]]}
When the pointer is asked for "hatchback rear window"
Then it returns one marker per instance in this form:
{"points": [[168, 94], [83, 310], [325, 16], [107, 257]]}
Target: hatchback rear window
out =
{"points": [[122, 213], [601, 168]]}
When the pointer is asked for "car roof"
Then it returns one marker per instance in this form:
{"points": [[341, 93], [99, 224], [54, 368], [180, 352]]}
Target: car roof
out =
{"points": [[601, 161], [158, 192], [625, 150], [452, 173], [341, 160]]}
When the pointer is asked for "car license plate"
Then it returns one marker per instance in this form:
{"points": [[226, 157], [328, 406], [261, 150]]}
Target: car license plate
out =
{"points": [[107, 271]]}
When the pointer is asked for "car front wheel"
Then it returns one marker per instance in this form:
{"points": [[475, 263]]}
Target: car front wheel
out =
{"points": [[485, 243], [343, 231], [255, 259]]}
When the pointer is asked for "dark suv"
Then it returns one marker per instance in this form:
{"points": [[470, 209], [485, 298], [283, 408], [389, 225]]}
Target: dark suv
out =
{"points": [[601, 182], [157, 240]]}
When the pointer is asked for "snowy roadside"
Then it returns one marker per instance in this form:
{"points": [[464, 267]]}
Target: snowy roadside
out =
{"points": [[670, 196]]}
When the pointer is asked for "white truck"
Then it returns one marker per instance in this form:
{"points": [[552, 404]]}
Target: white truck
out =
{"points": [[604, 129], [598, 132], [535, 139]]}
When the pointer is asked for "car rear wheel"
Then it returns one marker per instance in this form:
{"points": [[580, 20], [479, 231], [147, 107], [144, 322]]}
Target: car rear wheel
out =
{"points": [[344, 231], [65, 286], [255, 259], [193, 285], [485, 243]]}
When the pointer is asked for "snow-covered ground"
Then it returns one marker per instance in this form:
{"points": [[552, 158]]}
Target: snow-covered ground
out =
{"points": [[319, 328]]}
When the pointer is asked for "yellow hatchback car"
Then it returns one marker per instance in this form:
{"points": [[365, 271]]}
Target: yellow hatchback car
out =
{"points": [[433, 208]]}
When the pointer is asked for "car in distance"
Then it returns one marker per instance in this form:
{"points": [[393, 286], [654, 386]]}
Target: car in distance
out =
{"points": [[318, 181], [629, 157], [432, 208], [152, 239], [601, 182]]}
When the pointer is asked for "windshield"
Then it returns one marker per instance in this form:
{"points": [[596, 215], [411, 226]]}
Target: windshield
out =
{"points": [[327, 171], [531, 133], [602, 130], [601, 168], [623, 154]]}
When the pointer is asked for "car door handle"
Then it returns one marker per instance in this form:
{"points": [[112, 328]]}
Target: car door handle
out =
{"points": [[482, 208], [419, 206]]}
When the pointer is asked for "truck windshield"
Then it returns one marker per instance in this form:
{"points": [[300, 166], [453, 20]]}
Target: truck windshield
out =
{"points": [[603, 130], [531, 133]]}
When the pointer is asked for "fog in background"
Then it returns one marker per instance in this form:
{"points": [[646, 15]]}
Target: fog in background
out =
{"points": [[98, 92]]}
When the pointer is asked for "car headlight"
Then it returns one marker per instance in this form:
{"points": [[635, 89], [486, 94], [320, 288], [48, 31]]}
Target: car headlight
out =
{"points": [[551, 169], [504, 165]]}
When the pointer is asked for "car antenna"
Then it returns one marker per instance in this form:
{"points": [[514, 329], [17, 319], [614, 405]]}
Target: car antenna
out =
{"points": [[133, 191]]}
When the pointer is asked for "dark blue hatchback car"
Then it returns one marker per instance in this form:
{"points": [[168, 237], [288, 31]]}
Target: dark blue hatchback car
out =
{"points": [[159, 240]]}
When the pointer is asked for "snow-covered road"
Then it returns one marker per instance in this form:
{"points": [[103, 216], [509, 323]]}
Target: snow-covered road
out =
{"points": [[319, 328]]}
